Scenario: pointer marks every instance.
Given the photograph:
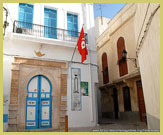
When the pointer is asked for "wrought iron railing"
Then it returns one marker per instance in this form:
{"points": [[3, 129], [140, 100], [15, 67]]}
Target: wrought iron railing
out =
{"points": [[46, 31]]}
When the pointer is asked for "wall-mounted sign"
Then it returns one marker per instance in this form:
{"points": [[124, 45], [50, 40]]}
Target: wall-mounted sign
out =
{"points": [[75, 90], [84, 88]]}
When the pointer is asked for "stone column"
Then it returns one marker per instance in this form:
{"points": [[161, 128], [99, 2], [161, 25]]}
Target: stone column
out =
{"points": [[13, 106]]}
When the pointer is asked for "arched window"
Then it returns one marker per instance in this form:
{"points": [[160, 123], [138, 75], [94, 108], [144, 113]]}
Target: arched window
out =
{"points": [[123, 70], [105, 68]]}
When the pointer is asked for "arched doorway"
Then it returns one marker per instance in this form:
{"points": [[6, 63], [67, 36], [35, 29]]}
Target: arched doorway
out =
{"points": [[38, 103]]}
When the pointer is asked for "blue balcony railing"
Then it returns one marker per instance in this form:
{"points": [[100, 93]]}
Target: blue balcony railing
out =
{"points": [[46, 31]]}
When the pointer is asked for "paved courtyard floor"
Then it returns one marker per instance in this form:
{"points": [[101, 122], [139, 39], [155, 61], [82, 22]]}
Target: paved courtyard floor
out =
{"points": [[112, 126]]}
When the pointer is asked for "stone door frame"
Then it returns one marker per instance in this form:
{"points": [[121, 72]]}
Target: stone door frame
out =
{"points": [[23, 69]]}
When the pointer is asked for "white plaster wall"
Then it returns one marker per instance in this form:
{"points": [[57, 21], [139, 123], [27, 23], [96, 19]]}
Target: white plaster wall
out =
{"points": [[25, 48], [149, 60], [101, 26], [83, 10], [6, 86], [87, 116]]}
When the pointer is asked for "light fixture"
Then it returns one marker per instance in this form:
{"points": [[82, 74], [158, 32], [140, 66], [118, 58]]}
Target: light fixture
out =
{"points": [[124, 56]]}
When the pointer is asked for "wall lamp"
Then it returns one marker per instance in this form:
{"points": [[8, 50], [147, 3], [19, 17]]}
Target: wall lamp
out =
{"points": [[124, 56]]}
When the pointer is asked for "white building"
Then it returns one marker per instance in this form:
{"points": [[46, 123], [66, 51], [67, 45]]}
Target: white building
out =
{"points": [[40, 83], [101, 23]]}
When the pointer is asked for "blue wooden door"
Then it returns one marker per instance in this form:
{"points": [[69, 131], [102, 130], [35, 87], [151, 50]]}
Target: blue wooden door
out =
{"points": [[38, 103]]}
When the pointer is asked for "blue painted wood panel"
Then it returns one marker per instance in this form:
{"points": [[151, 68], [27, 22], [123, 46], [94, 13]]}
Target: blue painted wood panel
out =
{"points": [[25, 15], [72, 24], [38, 103], [50, 20]]}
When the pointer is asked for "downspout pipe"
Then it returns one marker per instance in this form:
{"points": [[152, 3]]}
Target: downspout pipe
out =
{"points": [[5, 22]]}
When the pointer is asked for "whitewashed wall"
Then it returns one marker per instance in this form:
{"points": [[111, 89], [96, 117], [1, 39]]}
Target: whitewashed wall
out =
{"points": [[15, 44], [149, 59], [101, 24], [87, 115]]}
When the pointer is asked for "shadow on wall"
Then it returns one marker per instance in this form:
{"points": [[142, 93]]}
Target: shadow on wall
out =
{"points": [[92, 44]]}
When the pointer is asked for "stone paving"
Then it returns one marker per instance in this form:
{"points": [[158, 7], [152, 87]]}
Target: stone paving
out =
{"points": [[112, 126]]}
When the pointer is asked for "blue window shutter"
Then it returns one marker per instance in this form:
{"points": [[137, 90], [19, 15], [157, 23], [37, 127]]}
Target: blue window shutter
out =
{"points": [[25, 15], [75, 19], [21, 15], [50, 20], [46, 21], [72, 24]]}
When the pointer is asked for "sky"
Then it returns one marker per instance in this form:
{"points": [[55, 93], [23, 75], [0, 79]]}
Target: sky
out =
{"points": [[109, 10]]}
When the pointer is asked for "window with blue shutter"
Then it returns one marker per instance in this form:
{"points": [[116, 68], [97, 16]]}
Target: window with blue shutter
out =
{"points": [[50, 22], [72, 25], [25, 15]]}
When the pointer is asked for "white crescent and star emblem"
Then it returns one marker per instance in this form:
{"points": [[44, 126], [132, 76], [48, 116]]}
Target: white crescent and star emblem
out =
{"points": [[83, 43]]}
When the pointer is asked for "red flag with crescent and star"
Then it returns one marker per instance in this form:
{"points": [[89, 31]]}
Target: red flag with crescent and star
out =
{"points": [[82, 46]]}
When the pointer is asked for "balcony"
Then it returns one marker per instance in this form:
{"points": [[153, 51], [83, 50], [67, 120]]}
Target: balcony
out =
{"points": [[46, 32]]}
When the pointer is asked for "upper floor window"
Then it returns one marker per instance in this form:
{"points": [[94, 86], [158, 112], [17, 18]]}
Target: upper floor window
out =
{"points": [[72, 24], [25, 15], [50, 20], [105, 68], [123, 70]]}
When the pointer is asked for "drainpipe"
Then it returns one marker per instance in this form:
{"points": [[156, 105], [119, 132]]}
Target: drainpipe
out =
{"points": [[5, 22], [91, 93]]}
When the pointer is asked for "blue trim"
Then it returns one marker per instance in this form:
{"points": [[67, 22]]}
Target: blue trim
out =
{"points": [[80, 88], [39, 97], [5, 118]]}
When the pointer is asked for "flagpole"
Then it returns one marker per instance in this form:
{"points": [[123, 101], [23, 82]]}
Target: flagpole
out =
{"points": [[75, 49], [73, 53]]}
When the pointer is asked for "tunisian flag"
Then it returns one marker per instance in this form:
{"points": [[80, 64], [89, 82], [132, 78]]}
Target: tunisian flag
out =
{"points": [[82, 46]]}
